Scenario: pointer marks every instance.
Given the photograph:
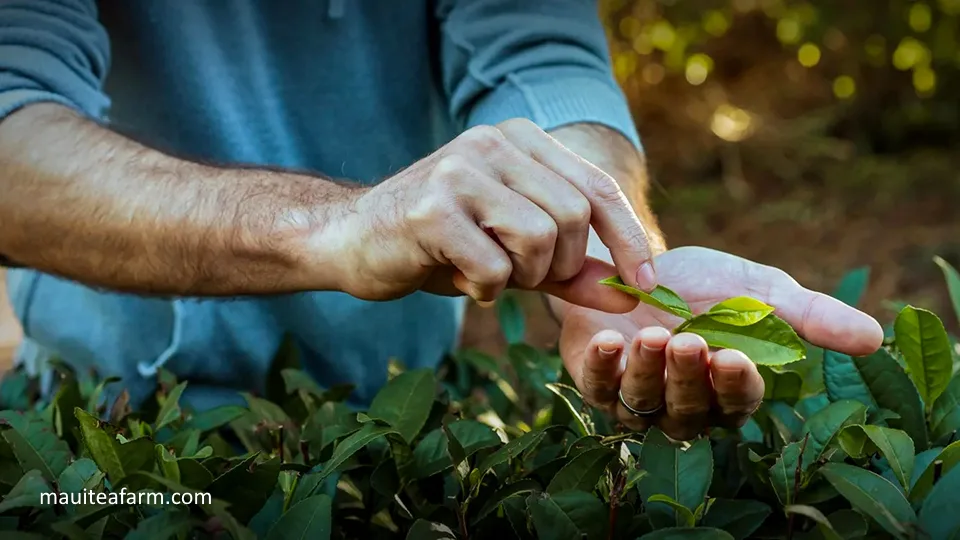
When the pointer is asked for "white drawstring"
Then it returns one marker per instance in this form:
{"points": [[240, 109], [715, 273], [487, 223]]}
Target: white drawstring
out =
{"points": [[150, 370]]}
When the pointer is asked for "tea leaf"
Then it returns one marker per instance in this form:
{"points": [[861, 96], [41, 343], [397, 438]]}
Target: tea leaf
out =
{"points": [[511, 450], [873, 495], [684, 515], [783, 473], [925, 347], [945, 415], [215, 418], [739, 517], [938, 516], [571, 514], [852, 286], [351, 445], [310, 518], [428, 530], [826, 528], [582, 472], [946, 460], [893, 444], [431, 454], [827, 423], [166, 524], [510, 490], [511, 318], [684, 475], [892, 389], [661, 298], [843, 380], [953, 283], [405, 402], [36, 445], [170, 411], [770, 341], [740, 311], [688, 533], [116, 460], [246, 486]]}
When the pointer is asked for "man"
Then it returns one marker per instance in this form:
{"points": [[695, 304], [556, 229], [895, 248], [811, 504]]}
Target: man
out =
{"points": [[185, 182]]}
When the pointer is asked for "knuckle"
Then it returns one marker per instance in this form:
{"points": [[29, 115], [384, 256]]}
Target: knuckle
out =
{"points": [[519, 124], [484, 139], [688, 409], [496, 273], [603, 187], [449, 167], [542, 235]]}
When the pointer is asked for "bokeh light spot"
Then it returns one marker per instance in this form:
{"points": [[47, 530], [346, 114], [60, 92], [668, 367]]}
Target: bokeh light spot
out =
{"points": [[808, 55], [844, 87]]}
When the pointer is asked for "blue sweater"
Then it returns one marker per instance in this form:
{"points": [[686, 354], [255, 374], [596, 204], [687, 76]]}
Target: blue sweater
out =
{"points": [[352, 89]]}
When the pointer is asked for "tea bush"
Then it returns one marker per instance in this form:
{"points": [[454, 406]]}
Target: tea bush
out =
{"points": [[505, 448]]}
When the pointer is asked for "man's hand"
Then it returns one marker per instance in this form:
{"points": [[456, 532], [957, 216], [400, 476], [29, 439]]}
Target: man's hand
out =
{"points": [[497, 207], [695, 388]]}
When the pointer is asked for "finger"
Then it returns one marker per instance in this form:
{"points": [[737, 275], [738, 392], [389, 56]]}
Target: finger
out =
{"points": [[642, 382], [611, 214], [738, 387], [688, 387], [526, 232], [483, 269], [599, 377], [823, 320], [586, 291]]}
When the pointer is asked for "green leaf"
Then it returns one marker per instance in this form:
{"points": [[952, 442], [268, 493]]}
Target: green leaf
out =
{"points": [[740, 311], [74, 478], [939, 517], [953, 283], [684, 475], [684, 515], [511, 450], [246, 486], [852, 286], [116, 460], [566, 395], [789, 424], [511, 318], [287, 356], [783, 473], [428, 530], [945, 414], [36, 445], [93, 402], [661, 298], [582, 472], [946, 460], [893, 444], [873, 495], [843, 380], [27, 493], [571, 514], [739, 517], [215, 418], [824, 426], [893, 390], [228, 522], [685, 533], [170, 411], [826, 528], [770, 341], [926, 349], [519, 487], [431, 454], [351, 445], [310, 518], [167, 524], [405, 402]]}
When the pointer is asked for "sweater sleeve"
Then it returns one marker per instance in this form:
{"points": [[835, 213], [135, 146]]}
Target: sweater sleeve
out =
{"points": [[53, 51], [545, 60]]}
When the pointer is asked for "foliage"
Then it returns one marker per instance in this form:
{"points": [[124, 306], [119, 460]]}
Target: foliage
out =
{"points": [[502, 448]]}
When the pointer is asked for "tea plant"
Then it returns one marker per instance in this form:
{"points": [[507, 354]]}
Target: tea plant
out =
{"points": [[505, 448]]}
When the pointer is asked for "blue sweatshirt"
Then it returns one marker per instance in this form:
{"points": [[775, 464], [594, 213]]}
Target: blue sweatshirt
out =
{"points": [[353, 89]]}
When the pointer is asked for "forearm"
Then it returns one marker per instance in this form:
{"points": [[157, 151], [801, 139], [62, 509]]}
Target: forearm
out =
{"points": [[615, 155], [85, 203]]}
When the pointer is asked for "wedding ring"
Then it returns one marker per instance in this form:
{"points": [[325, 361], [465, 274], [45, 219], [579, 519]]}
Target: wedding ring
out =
{"points": [[639, 414]]}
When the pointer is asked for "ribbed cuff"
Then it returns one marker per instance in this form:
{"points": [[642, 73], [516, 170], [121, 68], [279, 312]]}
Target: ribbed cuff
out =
{"points": [[558, 100]]}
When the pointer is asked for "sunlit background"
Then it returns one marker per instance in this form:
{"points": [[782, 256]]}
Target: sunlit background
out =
{"points": [[817, 136]]}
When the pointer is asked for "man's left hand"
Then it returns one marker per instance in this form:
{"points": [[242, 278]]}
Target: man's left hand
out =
{"points": [[691, 387]]}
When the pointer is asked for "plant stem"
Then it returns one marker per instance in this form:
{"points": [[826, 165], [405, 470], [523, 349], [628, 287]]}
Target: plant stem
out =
{"points": [[798, 473], [616, 490]]}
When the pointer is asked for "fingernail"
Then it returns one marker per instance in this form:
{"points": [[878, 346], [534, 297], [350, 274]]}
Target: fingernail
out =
{"points": [[646, 277], [607, 354]]}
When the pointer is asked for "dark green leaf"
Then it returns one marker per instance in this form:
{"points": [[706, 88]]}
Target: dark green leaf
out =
{"points": [[785, 387], [893, 390], [824, 426], [571, 514], [214, 418], [568, 398], [945, 414], [524, 486], [945, 461], [783, 473], [308, 519], [93, 402], [582, 472], [939, 517], [27, 493], [170, 411], [771, 341], [684, 475], [116, 460], [351, 445], [405, 402], [428, 530], [893, 444], [661, 298], [36, 445], [684, 515], [511, 450], [739, 517], [826, 528], [225, 513], [739, 311], [246, 486], [431, 454], [852, 286], [926, 349], [788, 423], [684, 533], [953, 283], [167, 524], [511, 317], [843, 380], [873, 495], [286, 357]]}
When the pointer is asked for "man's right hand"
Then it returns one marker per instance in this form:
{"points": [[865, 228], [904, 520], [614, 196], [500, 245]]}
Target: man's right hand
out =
{"points": [[497, 207]]}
